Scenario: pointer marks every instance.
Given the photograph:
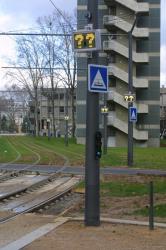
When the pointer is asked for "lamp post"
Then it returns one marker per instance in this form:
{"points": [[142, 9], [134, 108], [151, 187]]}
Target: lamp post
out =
{"points": [[130, 90], [104, 111], [66, 118]]}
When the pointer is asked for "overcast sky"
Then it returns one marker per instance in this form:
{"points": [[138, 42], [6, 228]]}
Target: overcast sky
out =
{"points": [[22, 14]]}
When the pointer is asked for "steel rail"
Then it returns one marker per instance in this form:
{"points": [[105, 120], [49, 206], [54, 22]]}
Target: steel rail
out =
{"points": [[38, 184], [40, 204]]}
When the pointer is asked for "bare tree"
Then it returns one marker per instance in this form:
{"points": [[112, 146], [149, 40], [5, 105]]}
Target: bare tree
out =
{"points": [[48, 45], [59, 54], [29, 74], [40, 55]]}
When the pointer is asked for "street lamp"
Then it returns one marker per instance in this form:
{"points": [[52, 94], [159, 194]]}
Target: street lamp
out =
{"points": [[104, 112], [66, 118]]}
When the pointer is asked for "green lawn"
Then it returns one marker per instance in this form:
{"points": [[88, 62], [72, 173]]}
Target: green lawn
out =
{"points": [[54, 149], [121, 188], [7, 152], [159, 211]]}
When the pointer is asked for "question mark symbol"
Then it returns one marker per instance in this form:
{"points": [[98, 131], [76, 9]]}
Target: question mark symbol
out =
{"points": [[79, 38], [90, 37]]}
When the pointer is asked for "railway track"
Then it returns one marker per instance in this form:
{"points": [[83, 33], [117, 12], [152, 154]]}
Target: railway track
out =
{"points": [[29, 198], [7, 174], [36, 197], [66, 159], [32, 148]]}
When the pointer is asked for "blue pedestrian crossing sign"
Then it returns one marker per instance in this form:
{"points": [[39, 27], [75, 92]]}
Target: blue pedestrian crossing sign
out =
{"points": [[97, 78], [133, 114]]}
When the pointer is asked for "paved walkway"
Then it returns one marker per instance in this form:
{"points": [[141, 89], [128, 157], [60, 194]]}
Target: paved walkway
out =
{"points": [[43, 230], [81, 170]]}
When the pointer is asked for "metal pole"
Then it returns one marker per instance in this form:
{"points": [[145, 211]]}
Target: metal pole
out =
{"points": [[151, 207], [130, 89], [105, 127], [66, 120], [92, 204]]}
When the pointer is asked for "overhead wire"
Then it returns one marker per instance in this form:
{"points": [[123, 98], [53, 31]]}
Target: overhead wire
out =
{"points": [[17, 33]]}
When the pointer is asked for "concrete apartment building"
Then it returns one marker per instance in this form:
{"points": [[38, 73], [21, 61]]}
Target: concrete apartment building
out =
{"points": [[115, 20], [62, 108]]}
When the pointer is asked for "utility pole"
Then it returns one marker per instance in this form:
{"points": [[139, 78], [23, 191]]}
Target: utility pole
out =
{"points": [[92, 204], [130, 90]]}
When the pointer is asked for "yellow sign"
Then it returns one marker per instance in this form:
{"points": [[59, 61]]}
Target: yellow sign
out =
{"points": [[86, 40], [129, 98], [79, 40]]}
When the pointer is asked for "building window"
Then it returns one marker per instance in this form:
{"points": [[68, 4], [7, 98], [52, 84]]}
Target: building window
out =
{"points": [[111, 58], [111, 106], [111, 131], [61, 96], [113, 35], [112, 10], [42, 124], [61, 109], [112, 82], [55, 96], [49, 109]]}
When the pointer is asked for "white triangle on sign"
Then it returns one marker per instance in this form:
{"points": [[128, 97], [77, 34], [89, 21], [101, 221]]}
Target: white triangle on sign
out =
{"points": [[98, 81], [133, 115]]}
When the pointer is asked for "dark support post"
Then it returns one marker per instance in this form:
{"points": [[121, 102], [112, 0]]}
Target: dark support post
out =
{"points": [[66, 118], [92, 204], [151, 206], [130, 89]]}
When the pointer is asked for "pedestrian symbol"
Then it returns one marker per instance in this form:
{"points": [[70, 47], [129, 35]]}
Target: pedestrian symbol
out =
{"points": [[98, 81], [97, 78], [133, 114]]}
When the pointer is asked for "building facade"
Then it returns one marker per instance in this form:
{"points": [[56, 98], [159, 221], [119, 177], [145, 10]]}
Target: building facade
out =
{"points": [[116, 18], [62, 110]]}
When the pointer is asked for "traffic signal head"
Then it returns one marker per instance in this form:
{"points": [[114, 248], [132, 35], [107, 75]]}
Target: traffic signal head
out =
{"points": [[98, 145]]}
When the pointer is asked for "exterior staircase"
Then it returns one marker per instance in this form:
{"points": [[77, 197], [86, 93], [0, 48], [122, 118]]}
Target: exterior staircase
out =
{"points": [[132, 5], [123, 75], [118, 98], [123, 50], [123, 126], [110, 20]]}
